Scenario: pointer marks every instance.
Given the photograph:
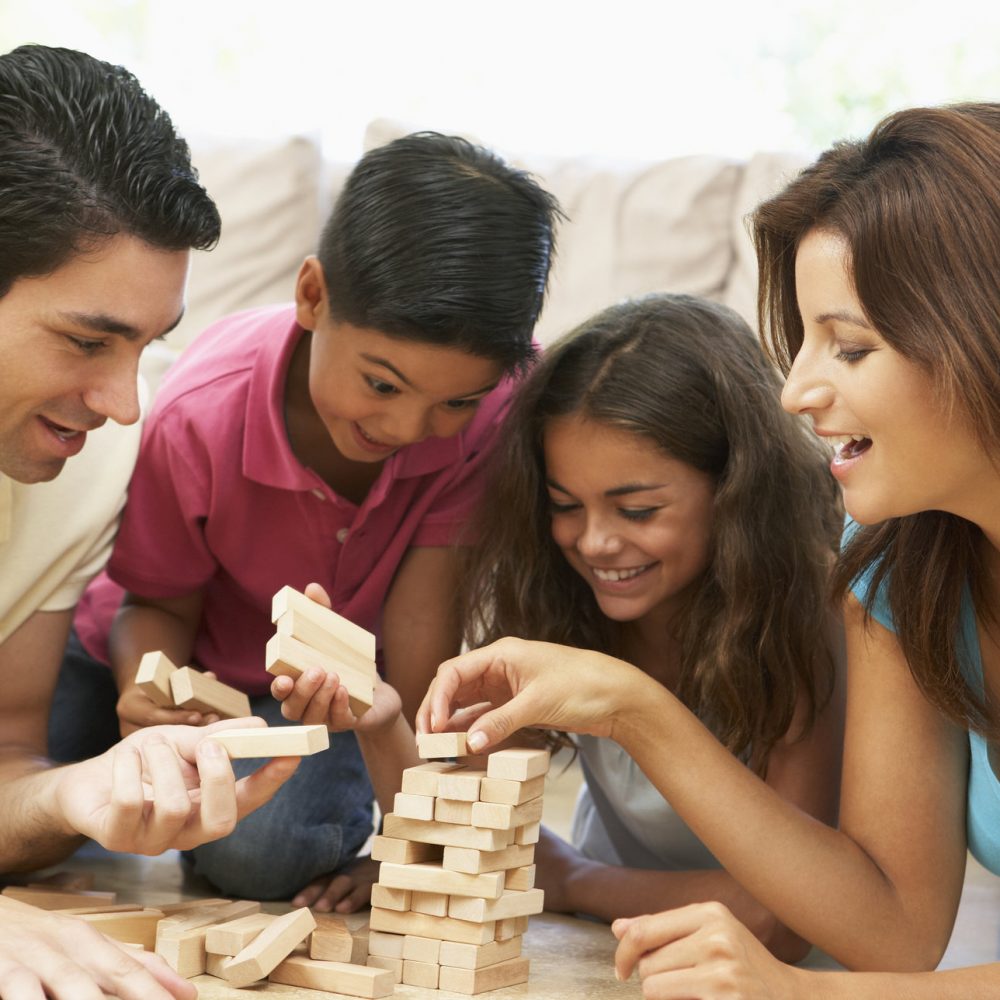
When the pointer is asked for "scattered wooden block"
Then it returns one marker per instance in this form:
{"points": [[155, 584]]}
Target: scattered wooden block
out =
{"points": [[183, 905], [423, 974], [191, 919], [289, 599], [47, 899], [185, 952], [464, 859], [497, 816], [421, 949], [462, 785], [434, 878], [137, 926], [393, 965], [274, 741], [233, 936], [413, 806], [332, 941], [383, 945], [510, 904], [423, 778], [194, 690], [520, 879], [441, 745], [451, 811], [303, 629], [511, 793], [285, 656], [270, 947], [517, 764], [334, 977], [422, 925], [511, 928], [389, 899], [77, 911], [528, 834], [490, 977], [445, 834], [404, 852], [153, 678], [475, 956], [215, 965], [434, 904]]}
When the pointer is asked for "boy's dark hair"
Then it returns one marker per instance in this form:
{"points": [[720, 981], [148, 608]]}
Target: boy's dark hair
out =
{"points": [[86, 154], [435, 239]]}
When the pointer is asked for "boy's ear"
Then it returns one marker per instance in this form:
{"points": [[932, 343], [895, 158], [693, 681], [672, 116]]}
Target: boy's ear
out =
{"points": [[311, 299]]}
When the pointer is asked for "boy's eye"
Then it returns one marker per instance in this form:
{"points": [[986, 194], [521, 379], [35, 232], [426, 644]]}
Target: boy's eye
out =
{"points": [[86, 346], [382, 388], [637, 513], [462, 404]]}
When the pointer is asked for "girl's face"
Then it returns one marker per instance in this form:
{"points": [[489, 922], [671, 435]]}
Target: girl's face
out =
{"points": [[633, 522], [898, 449]]}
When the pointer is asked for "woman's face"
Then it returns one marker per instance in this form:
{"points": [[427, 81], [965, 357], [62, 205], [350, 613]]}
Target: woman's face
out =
{"points": [[632, 521], [897, 448]]}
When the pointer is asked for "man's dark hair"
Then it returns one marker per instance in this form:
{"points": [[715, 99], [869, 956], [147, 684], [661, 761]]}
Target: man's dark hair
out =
{"points": [[87, 154], [435, 239]]}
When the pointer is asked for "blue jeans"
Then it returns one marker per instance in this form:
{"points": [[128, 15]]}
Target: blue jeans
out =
{"points": [[315, 824]]}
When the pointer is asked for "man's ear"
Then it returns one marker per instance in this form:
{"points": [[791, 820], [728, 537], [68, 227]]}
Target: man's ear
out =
{"points": [[311, 299]]}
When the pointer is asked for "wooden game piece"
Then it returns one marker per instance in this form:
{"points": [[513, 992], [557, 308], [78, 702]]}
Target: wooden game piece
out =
{"points": [[384, 945], [464, 859], [191, 919], [389, 899], [422, 779], [137, 926], [66, 882], [194, 690], [421, 949], [333, 942], [475, 956], [528, 834], [285, 656], [510, 904], [270, 947], [233, 936], [434, 904], [393, 965], [288, 599], [490, 977], [462, 784], [511, 793], [78, 911], [423, 974], [517, 764], [520, 879], [153, 678], [413, 806], [511, 927], [274, 741], [183, 905], [47, 899], [452, 811], [445, 834], [404, 852], [434, 878], [441, 745], [497, 816], [422, 925], [334, 977], [180, 940], [303, 629]]}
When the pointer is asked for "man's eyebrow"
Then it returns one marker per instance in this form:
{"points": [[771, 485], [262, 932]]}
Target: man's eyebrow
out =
{"points": [[844, 316], [376, 360], [103, 323]]}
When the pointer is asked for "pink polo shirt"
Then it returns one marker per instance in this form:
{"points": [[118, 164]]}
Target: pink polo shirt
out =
{"points": [[219, 502]]}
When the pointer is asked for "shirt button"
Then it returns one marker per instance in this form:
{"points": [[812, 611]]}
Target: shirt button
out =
{"points": [[318, 493], [342, 535]]}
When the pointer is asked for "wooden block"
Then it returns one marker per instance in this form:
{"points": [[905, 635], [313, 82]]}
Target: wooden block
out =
{"points": [[233, 936], [185, 952], [383, 945], [334, 977], [517, 764], [413, 806], [520, 879], [511, 793], [423, 778], [137, 926], [497, 816], [288, 599], [194, 690], [463, 859], [215, 965], [443, 928], [276, 741], [421, 949], [393, 965], [475, 956], [434, 878], [303, 629], [153, 678], [332, 941], [183, 905], [445, 834], [528, 834], [441, 745], [424, 974], [433, 903], [389, 899], [285, 656], [404, 852], [452, 811], [66, 882], [188, 920], [511, 928], [46, 899], [510, 904], [78, 911], [270, 947], [462, 785], [490, 977]]}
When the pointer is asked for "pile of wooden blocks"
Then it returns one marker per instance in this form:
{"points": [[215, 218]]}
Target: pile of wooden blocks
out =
{"points": [[310, 635], [184, 687], [456, 881]]}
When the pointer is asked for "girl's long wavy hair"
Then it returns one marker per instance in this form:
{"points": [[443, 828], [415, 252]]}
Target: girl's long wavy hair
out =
{"points": [[918, 203], [689, 376]]}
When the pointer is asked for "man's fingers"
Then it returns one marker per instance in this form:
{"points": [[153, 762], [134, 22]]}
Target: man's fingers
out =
{"points": [[218, 791], [257, 788]]}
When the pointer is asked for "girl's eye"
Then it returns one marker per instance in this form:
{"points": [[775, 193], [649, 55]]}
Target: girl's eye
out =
{"points": [[555, 507], [85, 346], [382, 388], [637, 513]]}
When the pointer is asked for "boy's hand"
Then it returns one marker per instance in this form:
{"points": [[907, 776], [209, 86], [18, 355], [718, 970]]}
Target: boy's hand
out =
{"points": [[136, 710], [345, 891], [316, 698]]}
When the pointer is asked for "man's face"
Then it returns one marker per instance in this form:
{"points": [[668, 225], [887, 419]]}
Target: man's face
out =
{"points": [[69, 349]]}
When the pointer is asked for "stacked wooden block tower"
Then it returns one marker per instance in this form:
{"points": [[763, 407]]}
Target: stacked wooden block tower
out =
{"points": [[456, 883]]}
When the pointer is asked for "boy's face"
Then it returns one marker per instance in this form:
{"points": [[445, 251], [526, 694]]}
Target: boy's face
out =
{"points": [[70, 345]]}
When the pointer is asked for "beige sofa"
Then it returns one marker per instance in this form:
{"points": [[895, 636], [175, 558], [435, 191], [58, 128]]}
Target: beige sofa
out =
{"points": [[675, 225]]}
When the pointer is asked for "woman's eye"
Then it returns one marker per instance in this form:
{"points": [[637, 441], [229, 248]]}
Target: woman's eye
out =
{"points": [[637, 513], [852, 356], [561, 507]]}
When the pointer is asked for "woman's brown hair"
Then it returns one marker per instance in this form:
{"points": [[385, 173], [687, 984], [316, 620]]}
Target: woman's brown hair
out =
{"points": [[689, 376], [918, 204]]}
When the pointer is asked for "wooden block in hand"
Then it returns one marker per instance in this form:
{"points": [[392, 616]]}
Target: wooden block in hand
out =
{"points": [[274, 741], [333, 977], [153, 678], [441, 745], [194, 690], [517, 764], [289, 599], [434, 878], [274, 944], [490, 977], [285, 656], [475, 956], [303, 629]]}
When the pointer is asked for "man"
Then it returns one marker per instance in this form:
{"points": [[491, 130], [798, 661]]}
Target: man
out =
{"points": [[99, 207]]}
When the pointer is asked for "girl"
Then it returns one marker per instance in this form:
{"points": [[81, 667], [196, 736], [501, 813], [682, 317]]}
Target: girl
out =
{"points": [[651, 500], [879, 296]]}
